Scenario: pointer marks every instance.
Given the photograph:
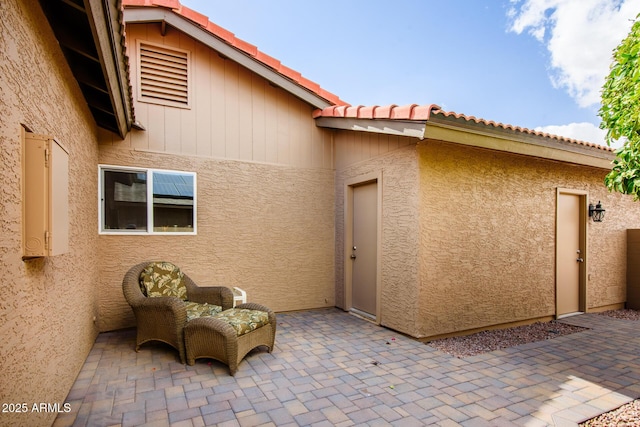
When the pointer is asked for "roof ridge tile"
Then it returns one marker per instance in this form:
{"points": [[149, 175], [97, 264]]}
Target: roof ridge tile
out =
{"points": [[368, 112], [173, 4], [220, 32], [268, 60], [245, 46], [193, 15], [390, 112], [384, 112], [354, 111], [402, 112]]}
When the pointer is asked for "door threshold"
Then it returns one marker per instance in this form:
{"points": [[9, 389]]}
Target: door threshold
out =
{"points": [[563, 316], [363, 315]]}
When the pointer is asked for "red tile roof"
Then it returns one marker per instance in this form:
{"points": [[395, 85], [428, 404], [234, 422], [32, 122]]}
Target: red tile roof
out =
{"points": [[249, 49], [406, 112], [425, 112]]}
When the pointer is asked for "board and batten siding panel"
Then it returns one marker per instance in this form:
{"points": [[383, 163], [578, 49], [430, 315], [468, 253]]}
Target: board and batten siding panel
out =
{"points": [[232, 114], [173, 122], [245, 112], [258, 113], [217, 117], [295, 150], [232, 110], [283, 129], [202, 100], [271, 128], [306, 136], [155, 127], [188, 134], [188, 117]]}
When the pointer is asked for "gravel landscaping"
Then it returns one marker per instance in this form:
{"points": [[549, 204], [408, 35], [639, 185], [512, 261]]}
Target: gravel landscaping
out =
{"points": [[627, 415], [496, 339], [624, 314]]}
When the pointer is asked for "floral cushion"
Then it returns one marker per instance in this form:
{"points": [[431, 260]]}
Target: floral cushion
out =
{"points": [[244, 320], [196, 309], [163, 279]]}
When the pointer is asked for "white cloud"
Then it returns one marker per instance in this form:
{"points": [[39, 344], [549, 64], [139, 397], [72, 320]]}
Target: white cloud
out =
{"points": [[580, 36], [581, 131]]}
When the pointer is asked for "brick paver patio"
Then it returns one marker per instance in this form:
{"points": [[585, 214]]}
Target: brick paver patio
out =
{"points": [[332, 369]]}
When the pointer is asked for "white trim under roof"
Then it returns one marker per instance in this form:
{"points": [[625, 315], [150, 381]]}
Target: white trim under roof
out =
{"points": [[143, 15], [411, 128]]}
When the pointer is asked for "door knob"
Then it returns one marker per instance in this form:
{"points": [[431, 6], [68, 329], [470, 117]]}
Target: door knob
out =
{"points": [[580, 260], [353, 256]]}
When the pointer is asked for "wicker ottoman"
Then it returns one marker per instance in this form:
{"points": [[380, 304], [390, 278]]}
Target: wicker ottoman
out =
{"points": [[216, 338]]}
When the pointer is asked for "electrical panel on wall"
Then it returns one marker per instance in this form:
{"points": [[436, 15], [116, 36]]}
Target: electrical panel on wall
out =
{"points": [[45, 197]]}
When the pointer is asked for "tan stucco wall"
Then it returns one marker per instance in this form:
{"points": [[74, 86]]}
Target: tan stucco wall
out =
{"points": [[267, 229], [487, 232], [469, 234], [48, 304], [394, 159]]}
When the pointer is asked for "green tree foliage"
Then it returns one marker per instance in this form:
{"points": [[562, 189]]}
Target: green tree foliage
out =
{"points": [[620, 114]]}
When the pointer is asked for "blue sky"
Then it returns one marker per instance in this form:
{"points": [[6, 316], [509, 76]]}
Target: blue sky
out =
{"points": [[538, 64]]}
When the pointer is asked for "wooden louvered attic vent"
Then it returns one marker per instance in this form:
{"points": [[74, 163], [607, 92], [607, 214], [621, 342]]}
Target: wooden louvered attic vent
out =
{"points": [[164, 75]]}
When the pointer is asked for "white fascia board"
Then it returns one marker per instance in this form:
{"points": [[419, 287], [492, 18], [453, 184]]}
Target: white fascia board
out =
{"points": [[103, 20], [149, 15], [411, 128]]}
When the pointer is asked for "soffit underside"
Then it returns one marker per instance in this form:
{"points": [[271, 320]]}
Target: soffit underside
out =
{"points": [[90, 35]]}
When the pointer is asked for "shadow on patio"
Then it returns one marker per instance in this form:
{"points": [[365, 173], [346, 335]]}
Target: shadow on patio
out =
{"points": [[331, 368]]}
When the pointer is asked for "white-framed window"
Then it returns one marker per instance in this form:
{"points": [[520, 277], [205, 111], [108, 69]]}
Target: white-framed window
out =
{"points": [[146, 201]]}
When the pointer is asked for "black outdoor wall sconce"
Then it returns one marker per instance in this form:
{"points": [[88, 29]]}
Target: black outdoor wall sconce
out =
{"points": [[596, 213]]}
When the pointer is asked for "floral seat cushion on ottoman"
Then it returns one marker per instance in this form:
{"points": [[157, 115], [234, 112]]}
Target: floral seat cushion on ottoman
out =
{"points": [[196, 309], [230, 335], [244, 320]]}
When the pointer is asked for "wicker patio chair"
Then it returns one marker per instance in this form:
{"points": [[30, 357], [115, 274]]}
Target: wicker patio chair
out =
{"points": [[163, 318]]}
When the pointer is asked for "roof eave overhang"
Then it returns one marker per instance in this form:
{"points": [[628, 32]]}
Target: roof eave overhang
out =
{"points": [[104, 20], [410, 128], [89, 33], [461, 131], [136, 15]]}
